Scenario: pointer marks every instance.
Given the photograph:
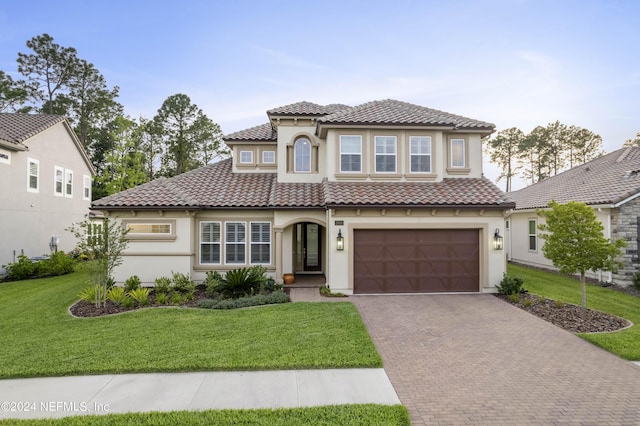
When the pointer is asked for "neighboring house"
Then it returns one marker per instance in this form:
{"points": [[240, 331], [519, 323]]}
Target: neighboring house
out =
{"points": [[384, 197], [45, 183], [610, 184]]}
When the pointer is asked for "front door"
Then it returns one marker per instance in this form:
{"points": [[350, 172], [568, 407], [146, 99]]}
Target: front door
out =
{"points": [[309, 247]]}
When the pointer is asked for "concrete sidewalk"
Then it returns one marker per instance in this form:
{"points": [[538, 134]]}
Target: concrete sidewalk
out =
{"points": [[122, 393]]}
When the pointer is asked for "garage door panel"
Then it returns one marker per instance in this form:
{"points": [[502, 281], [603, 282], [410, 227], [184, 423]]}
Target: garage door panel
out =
{"points": [[425, 261]]}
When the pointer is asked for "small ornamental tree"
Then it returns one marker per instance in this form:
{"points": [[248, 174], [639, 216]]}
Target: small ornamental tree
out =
{"points": [[575, 242], [103, 241]]}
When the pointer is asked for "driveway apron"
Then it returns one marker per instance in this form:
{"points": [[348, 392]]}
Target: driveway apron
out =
{"points": [[474, 359]]}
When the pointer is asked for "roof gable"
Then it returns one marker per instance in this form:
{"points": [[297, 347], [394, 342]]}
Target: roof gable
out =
{"points": [[609, 179], [15, 128]]}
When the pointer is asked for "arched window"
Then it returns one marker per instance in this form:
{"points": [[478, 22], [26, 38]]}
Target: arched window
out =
{"points": [[302, 155]]}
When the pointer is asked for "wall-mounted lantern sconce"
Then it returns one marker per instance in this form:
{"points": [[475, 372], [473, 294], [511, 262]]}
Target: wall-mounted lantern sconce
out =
{"points": [[340, 241], [498, 241]]}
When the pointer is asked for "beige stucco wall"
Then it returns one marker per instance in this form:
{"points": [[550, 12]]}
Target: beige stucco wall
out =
{"points": [[288, 132], [28, 220], [257, 166], [340, 272], [517, 243]]}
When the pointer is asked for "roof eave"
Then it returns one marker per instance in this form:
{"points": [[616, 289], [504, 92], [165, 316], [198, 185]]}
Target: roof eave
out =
{"points": [[426, 206], [13, 146], [250, 141]]}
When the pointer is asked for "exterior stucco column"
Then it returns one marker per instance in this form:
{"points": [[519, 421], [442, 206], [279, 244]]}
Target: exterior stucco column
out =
{"points": [[278, 260]]}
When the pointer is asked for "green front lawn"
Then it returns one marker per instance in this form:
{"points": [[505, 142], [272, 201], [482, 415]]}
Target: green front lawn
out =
{"points": [[365, 414], [40, 338], [625, 343]]}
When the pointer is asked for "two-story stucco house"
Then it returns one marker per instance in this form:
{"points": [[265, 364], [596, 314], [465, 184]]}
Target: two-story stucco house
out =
{"points": [[45, 183], [384, 197]]}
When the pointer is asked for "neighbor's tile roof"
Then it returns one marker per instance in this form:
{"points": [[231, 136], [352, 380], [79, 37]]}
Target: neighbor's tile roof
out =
{"points": [[262, 133], [449, 192], [216, 186], [306, 108], [390, 111], [606, 180], [16, 128]]}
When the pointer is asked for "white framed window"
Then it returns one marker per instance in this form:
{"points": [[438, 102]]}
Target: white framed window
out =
{"points": [[5, 157], [246, 157], [58, 181], [33, 175], [149, 228], [302, 156], [385, 147], [68, 183], [350, 153], [260, 243], [235, 243], [86, 187], [210, 243], [533, 235], [420, 154], [268, 157], [458, 153]]}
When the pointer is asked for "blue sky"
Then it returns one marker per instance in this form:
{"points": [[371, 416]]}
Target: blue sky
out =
{"points": [[515, 63]]}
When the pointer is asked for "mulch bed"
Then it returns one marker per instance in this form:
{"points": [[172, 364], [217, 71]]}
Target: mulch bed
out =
{"points": [[570, 317], [86, 309]]}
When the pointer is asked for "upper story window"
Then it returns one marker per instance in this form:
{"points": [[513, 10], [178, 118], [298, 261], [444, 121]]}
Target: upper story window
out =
{"points": [[246, 157], [86, 187], [33, 175], [68, 183], [458, 153], [58, 181], [350, 153], [302, 155], [268, 157], [385, 154], [420, 152]]}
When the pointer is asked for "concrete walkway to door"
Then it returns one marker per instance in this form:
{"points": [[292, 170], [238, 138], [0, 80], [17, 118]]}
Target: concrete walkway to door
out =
{"points": [[473, 359]]}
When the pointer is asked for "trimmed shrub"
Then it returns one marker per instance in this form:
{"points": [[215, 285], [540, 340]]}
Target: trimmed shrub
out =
{"points": [[163, 285], [211, 282], [132, 283], [89, 294], [22, 269], [183, 283], [510, 285], [57, 264], [162, 298], [176, 298], [245, 302]]}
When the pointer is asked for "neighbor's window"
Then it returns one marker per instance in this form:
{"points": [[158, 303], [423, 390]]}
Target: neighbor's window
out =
{"points": [[68, 183], [5, 156], [420, 152], [261, 242], [210, 242], [235, 240], [533, 237], [149, 228], [33, 178], [350, 153], [302, 155], [86, 187], [246, 157], [458, 153], [268, 157], [385, 154], [58, 180]]}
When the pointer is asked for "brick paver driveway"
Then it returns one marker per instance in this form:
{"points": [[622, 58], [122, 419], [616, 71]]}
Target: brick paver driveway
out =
{"points": [[473, 359]]}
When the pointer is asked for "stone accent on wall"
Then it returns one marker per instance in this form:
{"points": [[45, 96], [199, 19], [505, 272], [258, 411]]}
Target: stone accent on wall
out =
{"points": [[624, 224]]}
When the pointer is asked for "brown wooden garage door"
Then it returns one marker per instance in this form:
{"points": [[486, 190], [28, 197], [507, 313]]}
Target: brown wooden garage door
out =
{"points": [[416, 260]]}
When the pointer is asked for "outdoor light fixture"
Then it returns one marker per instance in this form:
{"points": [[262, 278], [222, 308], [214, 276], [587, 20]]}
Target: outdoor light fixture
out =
{"points": [[498, 241], [340, 241]]}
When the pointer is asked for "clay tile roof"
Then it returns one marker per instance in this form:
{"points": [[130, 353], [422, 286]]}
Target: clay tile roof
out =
{"points": [[298, 195], [390, 111], [609, 179], [263, 132], [305, 108], [448, 192], [16, 128]]}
